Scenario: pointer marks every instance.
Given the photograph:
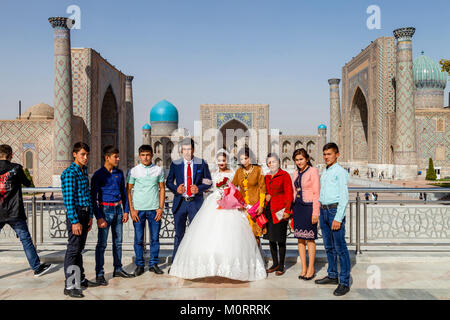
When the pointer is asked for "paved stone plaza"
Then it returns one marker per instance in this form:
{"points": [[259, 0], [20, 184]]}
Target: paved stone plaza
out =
{"points": [[419, 274]]}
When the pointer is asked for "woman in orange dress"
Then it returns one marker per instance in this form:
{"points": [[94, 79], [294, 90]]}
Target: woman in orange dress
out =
{"points": [[249, 178]]}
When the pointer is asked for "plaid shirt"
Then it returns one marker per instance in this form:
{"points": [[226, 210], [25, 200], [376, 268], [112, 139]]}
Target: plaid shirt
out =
{"points": [[75, 190]]}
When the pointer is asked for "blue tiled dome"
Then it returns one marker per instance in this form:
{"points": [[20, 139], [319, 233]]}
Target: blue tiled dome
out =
{"points": [[164, 111], [146, 127], [322, 126], [428, 74]]}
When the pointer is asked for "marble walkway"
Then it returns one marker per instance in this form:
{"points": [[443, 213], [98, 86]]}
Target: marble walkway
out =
{"points": [[375, 275]]}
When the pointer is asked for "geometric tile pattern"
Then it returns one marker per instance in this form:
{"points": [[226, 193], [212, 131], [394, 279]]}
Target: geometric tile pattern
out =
{"points": [[244, 117], [390, 55], [31, 132], [428, 139], [80, 83], [130, 121], [62, 95], [409, 222], [381, 70], [405, 138]]}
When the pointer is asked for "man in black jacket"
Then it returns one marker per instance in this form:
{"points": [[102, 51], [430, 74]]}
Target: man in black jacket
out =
{"points": [[12, 211]]}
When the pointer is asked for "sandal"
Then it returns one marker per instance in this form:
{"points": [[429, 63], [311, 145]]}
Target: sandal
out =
{"points": [[309, 278]]}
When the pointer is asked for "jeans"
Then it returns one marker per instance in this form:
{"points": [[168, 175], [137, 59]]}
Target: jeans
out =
{"points": [[75, 247], [335, 245], [113, 217], [21, 229], [139, 228]]}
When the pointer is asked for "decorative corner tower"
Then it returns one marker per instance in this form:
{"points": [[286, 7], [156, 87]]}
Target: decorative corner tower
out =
{"points": [[63, 106], [147, 135], [335, 110], [130, 120], [405, 155], [322, 130]]}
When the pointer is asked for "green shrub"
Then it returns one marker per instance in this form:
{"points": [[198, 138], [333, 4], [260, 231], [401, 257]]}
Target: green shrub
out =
{"points": [[431, 174], [27, 173]]}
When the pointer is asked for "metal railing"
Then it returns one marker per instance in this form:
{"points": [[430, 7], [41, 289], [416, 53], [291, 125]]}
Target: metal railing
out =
{"points": [[440, 224], [395, 222]]}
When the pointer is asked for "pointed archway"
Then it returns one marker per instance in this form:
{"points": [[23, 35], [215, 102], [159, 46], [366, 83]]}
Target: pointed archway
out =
{"points": [[359, 127], [109, 120], [238, 138]]}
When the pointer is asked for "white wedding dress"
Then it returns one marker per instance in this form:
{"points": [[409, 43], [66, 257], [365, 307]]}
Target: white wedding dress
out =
{"points": [[220, 243]]}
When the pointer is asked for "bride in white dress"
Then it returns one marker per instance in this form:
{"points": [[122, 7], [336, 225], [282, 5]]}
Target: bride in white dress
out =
{"points": [[219, 242]]}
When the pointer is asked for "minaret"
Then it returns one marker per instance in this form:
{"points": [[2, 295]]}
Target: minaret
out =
{"points": [[335, 110], [322, 130], [130, 121], [405, 156], [62, 136], [147, 135]]}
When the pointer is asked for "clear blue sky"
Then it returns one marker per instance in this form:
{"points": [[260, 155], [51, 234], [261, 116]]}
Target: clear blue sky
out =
{"points": [[210, 51]]}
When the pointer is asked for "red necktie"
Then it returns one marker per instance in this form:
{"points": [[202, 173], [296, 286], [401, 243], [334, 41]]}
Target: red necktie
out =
{"points": [[189, 180]]}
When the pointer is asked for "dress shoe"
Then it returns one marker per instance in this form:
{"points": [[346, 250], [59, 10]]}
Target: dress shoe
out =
{"points": [[138, 271], [272, 269], [85, 283], [341, 290], [101, 281], [123, 274], [155, 269], [74, 293], [327, 280], [279, 272]]}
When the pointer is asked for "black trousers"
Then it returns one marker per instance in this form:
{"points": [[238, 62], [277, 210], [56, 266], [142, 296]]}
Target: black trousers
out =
{"points": [[75, 244]]}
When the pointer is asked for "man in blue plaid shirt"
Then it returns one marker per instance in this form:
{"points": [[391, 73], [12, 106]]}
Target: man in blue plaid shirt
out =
{"points": [[77, 200]]}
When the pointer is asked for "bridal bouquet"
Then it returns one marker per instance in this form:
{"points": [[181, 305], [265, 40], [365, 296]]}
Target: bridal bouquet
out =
{"points": [[231, 197], [222, 183]]}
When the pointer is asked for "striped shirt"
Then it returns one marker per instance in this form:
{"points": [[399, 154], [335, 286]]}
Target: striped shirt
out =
{"points": [[75, 190]]}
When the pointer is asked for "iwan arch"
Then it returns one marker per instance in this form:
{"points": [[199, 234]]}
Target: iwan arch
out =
{"points": [[391, 118]]}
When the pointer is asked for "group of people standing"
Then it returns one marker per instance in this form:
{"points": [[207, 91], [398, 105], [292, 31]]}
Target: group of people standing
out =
{"points": [[218, 242], [225, 243], [307, 199], [112, 199]]}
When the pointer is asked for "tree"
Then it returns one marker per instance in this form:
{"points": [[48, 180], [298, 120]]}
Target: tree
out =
{"points": [[445, 65], [431, 174], [29, 177]]}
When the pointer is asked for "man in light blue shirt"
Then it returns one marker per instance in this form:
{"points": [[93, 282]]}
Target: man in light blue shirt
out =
{"points": [[333, 203]]}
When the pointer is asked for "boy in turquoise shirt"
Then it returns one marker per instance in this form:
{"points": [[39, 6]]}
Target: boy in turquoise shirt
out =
{"points": [[146, 203]]}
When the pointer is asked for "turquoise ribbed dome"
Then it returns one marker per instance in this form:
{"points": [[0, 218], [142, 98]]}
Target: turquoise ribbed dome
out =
{"points": [[164, 111], [428, 74], [146, 127], [322, 126]]}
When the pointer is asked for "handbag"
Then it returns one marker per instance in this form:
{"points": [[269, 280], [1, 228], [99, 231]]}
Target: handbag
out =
{"points": [[261, 220], [252, 210]]}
